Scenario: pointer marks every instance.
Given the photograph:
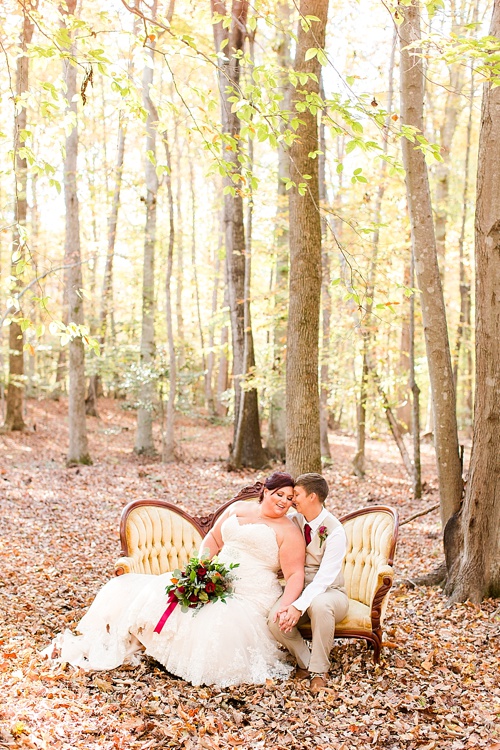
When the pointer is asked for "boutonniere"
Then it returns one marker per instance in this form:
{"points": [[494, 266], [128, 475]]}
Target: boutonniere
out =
{"points": [[322, 533]]}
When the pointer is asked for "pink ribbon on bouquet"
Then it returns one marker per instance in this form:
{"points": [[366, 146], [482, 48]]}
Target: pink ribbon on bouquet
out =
{"points": [[173, 601]]}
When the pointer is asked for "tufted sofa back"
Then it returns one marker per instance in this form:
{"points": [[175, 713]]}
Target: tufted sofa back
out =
{"points": [[371, 541], [159, 539]]}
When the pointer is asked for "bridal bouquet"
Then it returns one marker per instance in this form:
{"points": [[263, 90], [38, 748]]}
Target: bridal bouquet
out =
{"points": [[202, 581]]}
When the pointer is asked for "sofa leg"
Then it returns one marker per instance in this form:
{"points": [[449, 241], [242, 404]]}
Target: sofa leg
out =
{"points": [[377, 645]]}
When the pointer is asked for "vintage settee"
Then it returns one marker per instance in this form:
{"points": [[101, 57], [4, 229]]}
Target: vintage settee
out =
{"points": [[157, 536]]}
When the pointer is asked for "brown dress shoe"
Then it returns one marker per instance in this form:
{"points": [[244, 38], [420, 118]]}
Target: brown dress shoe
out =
{"points": [[318, 682], [302, 674]]}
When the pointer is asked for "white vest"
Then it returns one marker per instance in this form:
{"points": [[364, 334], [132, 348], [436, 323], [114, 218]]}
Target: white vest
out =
{"points": [[315, 550]]}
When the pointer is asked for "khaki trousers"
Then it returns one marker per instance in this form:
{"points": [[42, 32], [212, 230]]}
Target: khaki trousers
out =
{"points": [[324, 611]]}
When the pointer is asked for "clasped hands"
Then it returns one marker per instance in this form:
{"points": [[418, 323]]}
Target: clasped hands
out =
{"points": [[287, 617]]}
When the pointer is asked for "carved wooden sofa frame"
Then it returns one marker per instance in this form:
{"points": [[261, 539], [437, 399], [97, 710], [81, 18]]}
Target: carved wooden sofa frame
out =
{"points": [[158, 536]]}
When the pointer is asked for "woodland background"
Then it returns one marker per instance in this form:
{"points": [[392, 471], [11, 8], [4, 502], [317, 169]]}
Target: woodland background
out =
{"points": [[235, 235]]}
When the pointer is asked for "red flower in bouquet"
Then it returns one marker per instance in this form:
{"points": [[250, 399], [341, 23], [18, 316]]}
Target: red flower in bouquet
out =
{"points": [[210, 587], [202, 572]]}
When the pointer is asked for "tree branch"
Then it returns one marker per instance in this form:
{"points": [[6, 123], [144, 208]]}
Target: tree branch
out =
{"points": [[420, 513]]}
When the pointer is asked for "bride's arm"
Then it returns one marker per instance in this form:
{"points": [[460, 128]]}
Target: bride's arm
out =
{"points": [[292, 560], [212, 543]]}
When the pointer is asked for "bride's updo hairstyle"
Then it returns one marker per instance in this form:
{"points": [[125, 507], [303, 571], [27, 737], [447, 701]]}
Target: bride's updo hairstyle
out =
{"points": [[274, 482]]}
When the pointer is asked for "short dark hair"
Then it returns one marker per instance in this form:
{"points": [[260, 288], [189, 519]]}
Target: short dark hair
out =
{"points": [[314, 483]]}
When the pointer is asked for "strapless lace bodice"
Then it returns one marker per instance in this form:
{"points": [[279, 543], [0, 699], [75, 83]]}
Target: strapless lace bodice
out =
{"points": [[255, 548]]}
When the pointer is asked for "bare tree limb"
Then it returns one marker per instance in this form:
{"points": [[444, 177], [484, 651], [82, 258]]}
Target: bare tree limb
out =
{"points": [[420, 513]]}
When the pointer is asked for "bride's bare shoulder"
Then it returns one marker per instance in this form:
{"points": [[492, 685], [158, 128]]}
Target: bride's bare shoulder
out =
{"points": [[239, 508], [290, 527]]}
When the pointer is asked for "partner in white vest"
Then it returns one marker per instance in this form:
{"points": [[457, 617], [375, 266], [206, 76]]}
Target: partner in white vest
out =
{"points": [[324, 600]]}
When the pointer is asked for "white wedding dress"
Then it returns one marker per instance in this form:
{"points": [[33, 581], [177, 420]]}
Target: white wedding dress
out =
{"points": [[221, 644]]}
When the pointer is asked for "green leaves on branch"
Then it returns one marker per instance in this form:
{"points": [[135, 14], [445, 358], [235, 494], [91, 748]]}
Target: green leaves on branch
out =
{"points": [[431, 151], [73, 331], [318, 53]]}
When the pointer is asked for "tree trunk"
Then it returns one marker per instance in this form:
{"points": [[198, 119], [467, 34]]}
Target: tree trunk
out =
{"points": [[197, 286], [326, 300], [446, 133], [248, 396], [303, 450], [107, 284], [2, 388], [168, 453], [223, 373], [229, 75], [464, 326], [179, 233], [78, 446], [211, 329], [404, 412], [276, 440], [14, 419], [415, 393], [475, 572], [428, 279], [144, 434]]}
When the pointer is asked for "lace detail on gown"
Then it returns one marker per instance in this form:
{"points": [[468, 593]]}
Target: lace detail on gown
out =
{"points": [[222, 643]]}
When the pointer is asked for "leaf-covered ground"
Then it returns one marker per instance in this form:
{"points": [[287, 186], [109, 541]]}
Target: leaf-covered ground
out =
{"points": [[438, 685]]}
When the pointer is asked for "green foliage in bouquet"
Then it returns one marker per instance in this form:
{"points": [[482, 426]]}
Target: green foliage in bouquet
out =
{"points": [[202, 581]]}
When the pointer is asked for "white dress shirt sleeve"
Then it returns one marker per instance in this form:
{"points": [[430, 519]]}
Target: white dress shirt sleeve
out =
{"points": [[330, 567]]}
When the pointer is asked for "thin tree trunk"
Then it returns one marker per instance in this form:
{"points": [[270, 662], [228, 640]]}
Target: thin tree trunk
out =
{"points": [[303, 450], [169, 435], [78, 445], [196, 284], [252, 453], [395, 430], [447, 131], [415, 392], [2, 389], [427, 271], [104, 135], [404, 410], [223, 373], [181, 357], [211, 329], [472, 539], [107, 285], [62, 357], [358, 462], [464, 326], [248, 354], [144, 442], [14, 419], [326, 300], [276, 441]]}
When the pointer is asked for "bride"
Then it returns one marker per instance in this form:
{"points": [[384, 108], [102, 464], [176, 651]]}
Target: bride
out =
{"points": [[223, 643]]}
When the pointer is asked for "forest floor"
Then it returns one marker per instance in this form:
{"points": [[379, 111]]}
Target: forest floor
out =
{"points": [[438, 682]]}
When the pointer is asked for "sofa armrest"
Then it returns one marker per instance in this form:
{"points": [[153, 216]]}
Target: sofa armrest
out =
{"points": [[124, 565], [383, 584]]}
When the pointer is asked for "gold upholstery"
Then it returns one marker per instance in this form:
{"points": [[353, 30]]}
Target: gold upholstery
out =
{"points": [[358, 618], [158, 539], [369, 539]]}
